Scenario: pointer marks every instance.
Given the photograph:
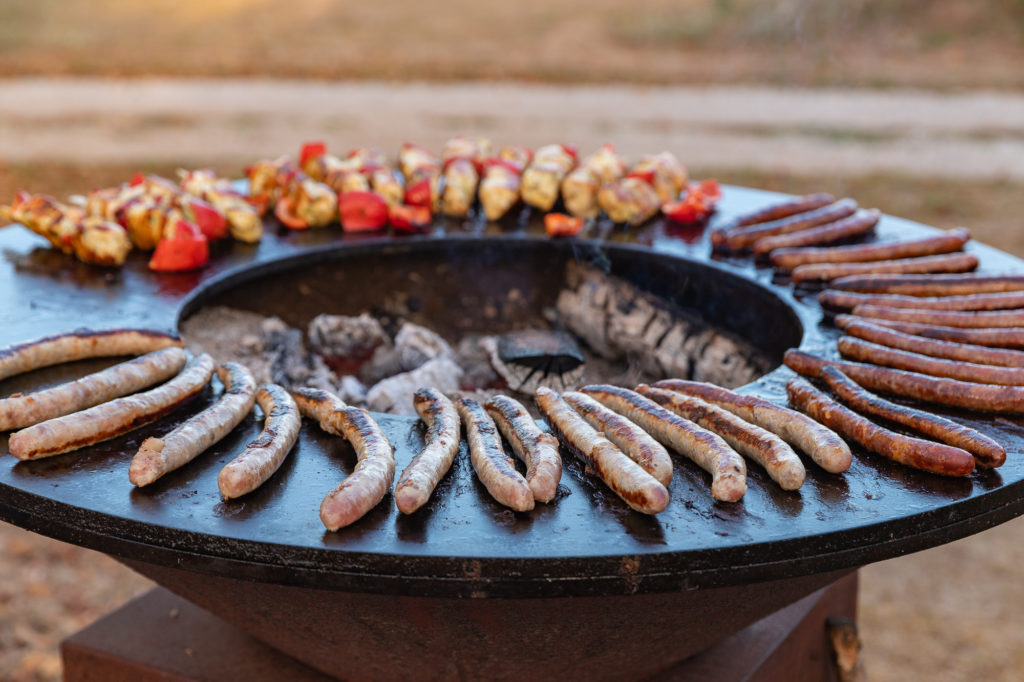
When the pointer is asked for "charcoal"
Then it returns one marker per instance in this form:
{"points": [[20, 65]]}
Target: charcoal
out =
{"points": [[288, 360], [345, 341], [475, 361], [724, 363], [673, 362], [583, 311], [352, 390], [394, 394], [381, 365], [416, 345]]}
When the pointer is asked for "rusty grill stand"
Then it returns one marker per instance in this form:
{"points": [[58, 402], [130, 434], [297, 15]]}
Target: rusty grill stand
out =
{"points": [[160, 636]]}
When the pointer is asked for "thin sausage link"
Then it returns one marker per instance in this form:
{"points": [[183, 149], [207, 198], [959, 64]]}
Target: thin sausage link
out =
{"points": [[430, 464], [262, 457], [538, 450], [495, 469]]}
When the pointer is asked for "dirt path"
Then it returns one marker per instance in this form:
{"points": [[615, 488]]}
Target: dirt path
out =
{"points": [[977, 134]]}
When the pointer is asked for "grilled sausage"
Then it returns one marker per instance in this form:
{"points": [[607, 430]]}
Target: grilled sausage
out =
{"points": [[636, 443], [708, 450], [783, 209], [1007, 337], [103, 422], [945, 318], [428, 467], [622, 475], [983, 397], [742, 238], [79, 345], [495, 469], [157, 456], [913, 452], [21, 410], [789, 259], [538, 450], [986, 451], [964, 352], [950, 262], [930, 285], [263, 456], [827, 449], [865, 351], [367, 485], [861, 222], [848, 300], [765, 448]]}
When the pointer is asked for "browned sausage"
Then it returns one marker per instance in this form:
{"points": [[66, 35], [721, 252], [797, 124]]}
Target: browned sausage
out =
{"points": [[865, 351], [783, 209], [945, 318], [742, 238], [986, 451], [983, 397], [913, 452], [965, 352], [263, 456], [495, 469], [954, 240], [1007, 337], [82, 344], [103, 422], [861, 222], [950, 262], [765, 448], [706, 449], [537, 449], [157, 456], [826, 448], [21, 410], [441, 443], [367, 485], [638, 445], [848, 300], [930, 285], [621, 474]]}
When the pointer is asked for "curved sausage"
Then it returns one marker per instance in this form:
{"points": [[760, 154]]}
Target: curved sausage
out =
{"points": [[789, 259], [103, 422], [849, 300], [82, 344], [706, 449], [1006, 337], [986, 451], [765, 448], [21, 410], [430, 464], [913, 452], [636, 443], [865, 351], [950, 262], [742, 238], [981, 355], [367, 485], [538, 450], [157, 456], [827, 449], [622, 475], [983, 397], [861, 222], [944, 318], [495, 469], [783, 209], [262, 457], [930, 285]]}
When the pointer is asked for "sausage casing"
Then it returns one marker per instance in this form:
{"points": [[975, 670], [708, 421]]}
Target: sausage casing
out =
{"points": [[430, 464], [1006, 337], [788, 259], [930, 285], [914, 452], [263, 456], [949, 262], [990, 319], [538, 450], [742, 238], [861, 222], [865, 351], [848, 300], [495, 469]]}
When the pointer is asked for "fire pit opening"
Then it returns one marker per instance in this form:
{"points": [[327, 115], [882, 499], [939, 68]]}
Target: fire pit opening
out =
{"points": [[375, 322]]}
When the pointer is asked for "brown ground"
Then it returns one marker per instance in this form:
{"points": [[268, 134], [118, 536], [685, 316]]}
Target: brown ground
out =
{"points": [[872, 43], [950, 613]]}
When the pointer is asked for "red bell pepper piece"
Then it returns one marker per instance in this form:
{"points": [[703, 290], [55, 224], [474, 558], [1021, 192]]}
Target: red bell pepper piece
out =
{"points": [[283, 212], [208, 219], [418, 194], [184, 248], [311, 150], [362, 211], [562, 225], [647, 176], [409, 218], [571, 151], [696, 205], [137, 179]]}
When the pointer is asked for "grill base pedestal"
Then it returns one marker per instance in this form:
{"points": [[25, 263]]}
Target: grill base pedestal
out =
{"points": [[160, 636]]}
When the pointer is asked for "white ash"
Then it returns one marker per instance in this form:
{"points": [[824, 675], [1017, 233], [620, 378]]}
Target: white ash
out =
{"points": [[417, 345], [352, 390], [395, 394], [345, 336], [475, 361]]}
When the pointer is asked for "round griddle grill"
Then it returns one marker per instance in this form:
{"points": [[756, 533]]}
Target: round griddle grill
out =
{"points": [[587, 543]]}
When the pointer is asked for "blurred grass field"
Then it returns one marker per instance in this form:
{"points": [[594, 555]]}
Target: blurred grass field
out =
{"points": [[860, 43]]}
